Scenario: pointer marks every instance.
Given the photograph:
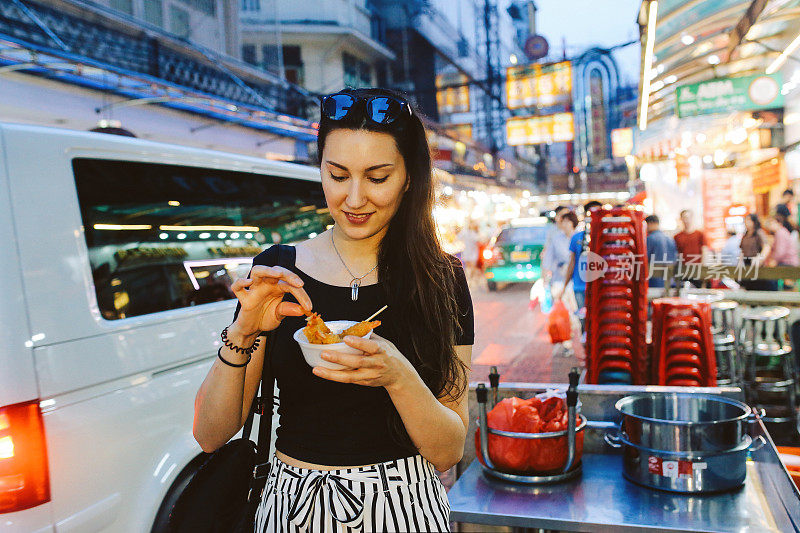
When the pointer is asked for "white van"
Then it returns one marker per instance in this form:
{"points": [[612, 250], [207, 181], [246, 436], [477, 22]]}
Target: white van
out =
{"points": [[117, 257]]}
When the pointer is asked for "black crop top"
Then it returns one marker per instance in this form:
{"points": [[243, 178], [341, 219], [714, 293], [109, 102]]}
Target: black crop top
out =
{"points": [[331, 423]]}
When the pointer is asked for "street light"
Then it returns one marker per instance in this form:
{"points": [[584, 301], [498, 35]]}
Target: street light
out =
{"points": [[648, 62]]}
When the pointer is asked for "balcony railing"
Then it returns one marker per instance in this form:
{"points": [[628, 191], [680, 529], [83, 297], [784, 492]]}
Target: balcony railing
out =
{"points": [[143, 54], [344, 13]]}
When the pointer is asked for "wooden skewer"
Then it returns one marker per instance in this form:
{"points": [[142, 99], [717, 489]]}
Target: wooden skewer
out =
{"points": [[376, 313]]}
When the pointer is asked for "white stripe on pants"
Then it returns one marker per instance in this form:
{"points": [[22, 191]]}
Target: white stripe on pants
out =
{"points": [[397, 496]]}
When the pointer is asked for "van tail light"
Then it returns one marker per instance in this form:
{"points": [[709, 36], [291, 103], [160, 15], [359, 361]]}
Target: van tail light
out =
{"points": [[24, 478]]}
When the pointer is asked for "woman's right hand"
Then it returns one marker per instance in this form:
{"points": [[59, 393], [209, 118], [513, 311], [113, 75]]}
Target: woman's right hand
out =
{"points": [[261, 298]]}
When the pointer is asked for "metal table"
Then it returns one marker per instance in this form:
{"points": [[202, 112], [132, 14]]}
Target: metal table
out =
{"points": [[602, 500]]}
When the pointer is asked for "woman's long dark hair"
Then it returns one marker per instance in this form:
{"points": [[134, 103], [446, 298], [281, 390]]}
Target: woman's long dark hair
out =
{"points": [[417, 276], [756, 230], [756, 223]]}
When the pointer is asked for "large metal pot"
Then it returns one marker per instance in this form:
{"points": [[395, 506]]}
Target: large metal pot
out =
{"points": [[683, 422], [690, 472]]}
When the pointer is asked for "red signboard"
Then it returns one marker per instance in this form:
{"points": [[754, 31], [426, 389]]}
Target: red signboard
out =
{"points": [[717, 199]]}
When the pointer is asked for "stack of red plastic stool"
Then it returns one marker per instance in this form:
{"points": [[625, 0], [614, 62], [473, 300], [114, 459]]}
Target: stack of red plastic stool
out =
{"points": [[683, 345], [616, 302]]}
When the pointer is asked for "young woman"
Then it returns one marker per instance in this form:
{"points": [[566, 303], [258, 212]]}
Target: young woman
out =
{"points": [[784, 250], [755, 247], [356, 448]]}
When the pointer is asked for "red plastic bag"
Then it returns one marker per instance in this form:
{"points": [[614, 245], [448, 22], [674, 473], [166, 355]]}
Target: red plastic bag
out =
{"points": [[552, 453], [528, 416], [506, 453], [558, 324]]}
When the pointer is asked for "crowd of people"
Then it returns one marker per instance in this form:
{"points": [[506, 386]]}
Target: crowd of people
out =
{"points": [[772, 241], [775, 242]]}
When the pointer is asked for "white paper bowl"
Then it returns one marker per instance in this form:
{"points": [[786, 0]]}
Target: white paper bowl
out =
{"points": [[313, 352]]}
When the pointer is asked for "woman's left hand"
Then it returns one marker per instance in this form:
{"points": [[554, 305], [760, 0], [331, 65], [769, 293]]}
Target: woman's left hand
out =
{"points": [[382, 364]]}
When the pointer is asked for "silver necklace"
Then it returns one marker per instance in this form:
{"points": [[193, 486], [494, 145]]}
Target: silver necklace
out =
{"points": [[356, 283]]}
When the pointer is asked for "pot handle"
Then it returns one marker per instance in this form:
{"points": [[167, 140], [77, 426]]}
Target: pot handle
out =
{"points": [[612, 438], [757, 443]]}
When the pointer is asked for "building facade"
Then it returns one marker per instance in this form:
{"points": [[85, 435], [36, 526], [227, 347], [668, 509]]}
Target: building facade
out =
{"points": [[89, 66], [322, 45], [451, 57], [209, 23], [438, 52]]}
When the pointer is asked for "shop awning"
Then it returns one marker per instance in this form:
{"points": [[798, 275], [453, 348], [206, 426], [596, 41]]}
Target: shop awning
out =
{"points": [[690, 41]]}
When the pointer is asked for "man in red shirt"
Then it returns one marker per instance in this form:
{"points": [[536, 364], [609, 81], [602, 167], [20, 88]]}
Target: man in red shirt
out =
{"points": [[691, 243]]}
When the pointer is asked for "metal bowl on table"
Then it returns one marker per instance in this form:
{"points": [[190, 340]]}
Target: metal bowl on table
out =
{"points": [[683, 422]]}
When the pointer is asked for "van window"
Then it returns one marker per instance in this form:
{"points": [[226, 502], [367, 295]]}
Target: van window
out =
{"points": [[167, 236]]}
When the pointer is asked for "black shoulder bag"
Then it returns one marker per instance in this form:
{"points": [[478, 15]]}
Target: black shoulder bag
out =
{"points": [[224, 494]]}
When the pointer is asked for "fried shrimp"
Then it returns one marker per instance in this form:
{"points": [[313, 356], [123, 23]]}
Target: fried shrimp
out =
{"points": [[317, 332], [360, 329]]}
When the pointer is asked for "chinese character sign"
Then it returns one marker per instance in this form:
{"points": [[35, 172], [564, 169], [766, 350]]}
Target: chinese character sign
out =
{"points": [[538, 85], [723, 95], [542, 129], [717, 198], [452, 94]]}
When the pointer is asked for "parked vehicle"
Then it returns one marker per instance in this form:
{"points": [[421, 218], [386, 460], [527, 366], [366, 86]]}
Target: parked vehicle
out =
{"points": [[514, 255], [118, 255]]}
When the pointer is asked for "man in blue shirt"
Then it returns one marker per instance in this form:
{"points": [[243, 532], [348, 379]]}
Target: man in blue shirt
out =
{"points": [[661, 251]]}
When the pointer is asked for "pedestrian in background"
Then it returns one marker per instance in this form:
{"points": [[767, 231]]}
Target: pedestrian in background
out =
{"points": [[555, 253], [731, 250], [661, 250], [561, 254], [470, 239], [353, 444], [576, 269], [788, 209], [784, 250], [782, 215], [690, 242], [755, 248]]}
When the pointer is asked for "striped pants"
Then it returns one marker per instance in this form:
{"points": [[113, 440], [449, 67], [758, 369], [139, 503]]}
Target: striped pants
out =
{"points": [[399, 495]]}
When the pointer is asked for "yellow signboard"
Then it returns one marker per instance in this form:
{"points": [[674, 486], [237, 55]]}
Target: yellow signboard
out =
{"points": [[621, 142], [461, 131], [538, 85], [539, 130], [452, 94]]}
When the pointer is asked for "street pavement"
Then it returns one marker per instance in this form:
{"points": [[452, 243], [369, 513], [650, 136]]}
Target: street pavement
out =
{"points": [[513, 337]]}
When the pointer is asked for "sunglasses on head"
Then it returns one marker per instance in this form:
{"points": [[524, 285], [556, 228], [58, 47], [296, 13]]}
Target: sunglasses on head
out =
{"points": [[379, 109]]}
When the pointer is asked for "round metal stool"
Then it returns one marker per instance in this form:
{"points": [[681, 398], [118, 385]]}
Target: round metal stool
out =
{"points": [[703, 295], [770, 374], [726, 348], [722, 318]]}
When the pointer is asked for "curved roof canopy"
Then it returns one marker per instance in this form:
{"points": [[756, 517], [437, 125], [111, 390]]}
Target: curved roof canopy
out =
{"points": [[698, 40]]}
